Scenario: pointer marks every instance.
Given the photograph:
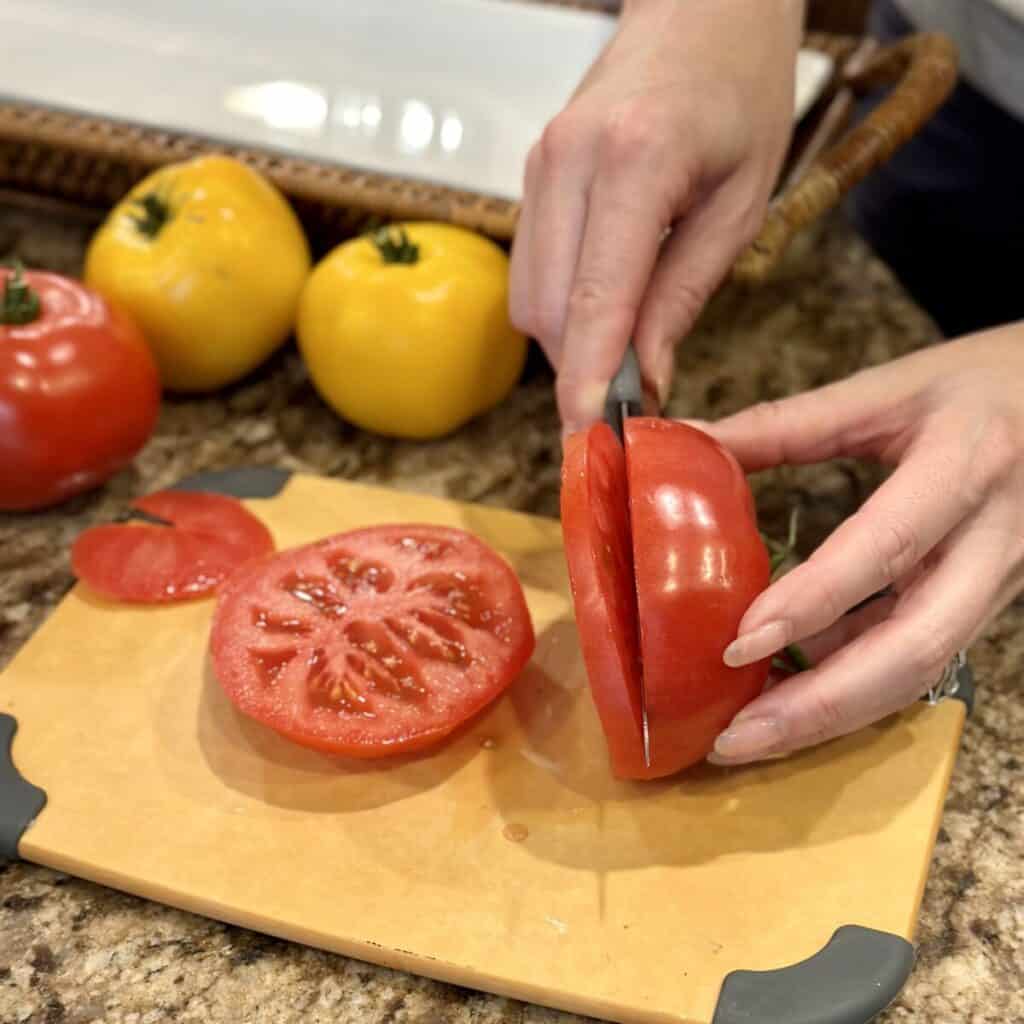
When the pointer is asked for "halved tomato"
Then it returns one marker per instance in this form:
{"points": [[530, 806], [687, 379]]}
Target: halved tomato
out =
{"points": [[664, 557], [372, 642], [207, 537], [700, 562]]}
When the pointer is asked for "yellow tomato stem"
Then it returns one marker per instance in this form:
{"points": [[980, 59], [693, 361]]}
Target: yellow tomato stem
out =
{"points": [[20, 303], [395, 246]]}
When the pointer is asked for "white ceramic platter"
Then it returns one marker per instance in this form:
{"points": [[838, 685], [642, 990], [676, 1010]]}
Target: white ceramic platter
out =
{"points": [[449, 91]]}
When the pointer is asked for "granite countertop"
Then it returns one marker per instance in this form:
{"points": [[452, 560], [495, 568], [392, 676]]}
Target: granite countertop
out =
{"points": [[71, 951]]}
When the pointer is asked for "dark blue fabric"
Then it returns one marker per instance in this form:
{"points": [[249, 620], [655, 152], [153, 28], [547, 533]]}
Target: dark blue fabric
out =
{"points": [[946, 213]]}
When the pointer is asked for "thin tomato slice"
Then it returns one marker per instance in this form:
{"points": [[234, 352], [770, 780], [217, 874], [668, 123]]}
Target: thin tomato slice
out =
{"points": [[699, 563], [208, 536], [595, 525], [373, 642]]}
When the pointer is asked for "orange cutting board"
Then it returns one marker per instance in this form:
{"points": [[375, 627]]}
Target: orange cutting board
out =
{"points": [[508, 861]]}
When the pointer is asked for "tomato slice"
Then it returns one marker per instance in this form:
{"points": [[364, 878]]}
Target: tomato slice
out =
{"points": [[700, 562], [595, 525], [373, 642], [208, 537]]}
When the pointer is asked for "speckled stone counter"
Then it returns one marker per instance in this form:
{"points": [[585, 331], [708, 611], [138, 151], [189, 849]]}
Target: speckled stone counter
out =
{"points": [[77, 953]]}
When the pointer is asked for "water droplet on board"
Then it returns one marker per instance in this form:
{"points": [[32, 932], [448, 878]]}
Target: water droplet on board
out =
{"points": [[515, 833], [488, 743]]}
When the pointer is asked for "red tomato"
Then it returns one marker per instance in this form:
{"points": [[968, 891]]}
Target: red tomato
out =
{"points": [[595, 524], [373, 642], [209, 536], [664, 557], [700, 562], [79, 390]]}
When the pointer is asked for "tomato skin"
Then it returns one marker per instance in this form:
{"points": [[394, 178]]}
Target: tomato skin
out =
{"points": [[374, 642], [208, 537], [595, 527], [700, 562], [79, 394]]}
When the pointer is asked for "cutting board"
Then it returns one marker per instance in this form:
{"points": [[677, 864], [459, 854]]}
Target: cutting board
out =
{"points": [[508, 861]]}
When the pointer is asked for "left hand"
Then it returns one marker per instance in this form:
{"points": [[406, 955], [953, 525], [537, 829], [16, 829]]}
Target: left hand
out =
{"points": [[946, 529]]}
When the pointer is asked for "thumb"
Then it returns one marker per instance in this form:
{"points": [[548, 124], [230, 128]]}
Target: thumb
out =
{"points": [[845, 418]]}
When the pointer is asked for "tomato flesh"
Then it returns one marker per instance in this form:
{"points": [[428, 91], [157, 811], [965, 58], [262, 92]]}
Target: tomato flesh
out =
{"points": [[595, 524], [373, 642], [664, 558], [208, 536], [699, 563]]}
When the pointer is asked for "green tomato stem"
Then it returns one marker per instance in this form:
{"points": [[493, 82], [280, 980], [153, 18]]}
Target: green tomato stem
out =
{"points": [[395, 246], [154, 211], [798, 656], [20, 304]]}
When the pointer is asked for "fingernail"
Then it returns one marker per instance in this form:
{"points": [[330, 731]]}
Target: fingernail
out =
{"points": [[590, 400], [761, 643], [747, 740]]}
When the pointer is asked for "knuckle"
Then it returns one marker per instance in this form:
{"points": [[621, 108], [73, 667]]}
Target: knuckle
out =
{"points": [[768, 417], [559, 140], [997, 455], [686, 298], [824, 600], [929, 651], [592, 296], [825, 715], [628, 134], [896, 547]]}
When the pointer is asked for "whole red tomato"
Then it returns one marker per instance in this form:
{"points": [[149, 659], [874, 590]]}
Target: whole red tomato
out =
{"points": [[79, 390]]}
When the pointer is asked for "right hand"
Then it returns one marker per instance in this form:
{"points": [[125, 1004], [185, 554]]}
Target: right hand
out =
{"points": [[642, 192]]}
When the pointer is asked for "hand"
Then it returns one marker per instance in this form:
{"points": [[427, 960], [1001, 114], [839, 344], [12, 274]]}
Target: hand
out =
{"points": [[946, 529], [681, 124]]}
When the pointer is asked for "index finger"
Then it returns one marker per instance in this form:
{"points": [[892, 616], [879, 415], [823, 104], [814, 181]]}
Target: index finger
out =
{"points": [[627, 216]]}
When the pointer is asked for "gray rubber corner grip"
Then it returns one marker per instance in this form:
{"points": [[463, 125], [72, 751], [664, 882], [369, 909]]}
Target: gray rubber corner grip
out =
{"points": [[856, 976], [239, 482], [965, 687], [20, 801]]}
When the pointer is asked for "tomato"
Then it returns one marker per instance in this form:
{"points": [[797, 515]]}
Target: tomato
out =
{"points": [[665, 558], [372, 642], [79, 392], [595, 523], [700, 562], [208, 536], [210, 259], [407, 333]]}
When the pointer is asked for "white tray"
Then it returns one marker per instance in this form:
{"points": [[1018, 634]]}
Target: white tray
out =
{"points": [[449, 91]]}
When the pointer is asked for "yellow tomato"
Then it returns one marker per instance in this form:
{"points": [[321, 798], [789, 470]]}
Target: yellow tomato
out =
{"points": [[210, 260], [407, 332]]}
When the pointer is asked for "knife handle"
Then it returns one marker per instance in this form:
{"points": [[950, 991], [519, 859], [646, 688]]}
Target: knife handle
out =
{"points": [[625, 390]]}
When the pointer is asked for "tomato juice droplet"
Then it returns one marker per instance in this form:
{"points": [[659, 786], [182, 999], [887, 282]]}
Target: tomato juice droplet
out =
{"points": [[515, 832]]}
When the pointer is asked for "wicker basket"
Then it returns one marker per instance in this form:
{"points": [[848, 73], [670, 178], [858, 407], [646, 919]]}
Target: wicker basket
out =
{"points": [[92, 161]]}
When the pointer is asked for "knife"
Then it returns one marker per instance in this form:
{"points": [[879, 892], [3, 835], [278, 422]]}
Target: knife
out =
{"points": [[625, 398]]}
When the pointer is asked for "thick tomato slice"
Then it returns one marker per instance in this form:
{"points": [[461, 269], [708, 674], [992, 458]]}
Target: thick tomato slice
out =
{"points": [[595, 524], [208, 536], [373, 642], [699, 563]]}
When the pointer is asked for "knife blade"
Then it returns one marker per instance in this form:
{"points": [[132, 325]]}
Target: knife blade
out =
{"points": [[626, 398]]}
